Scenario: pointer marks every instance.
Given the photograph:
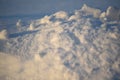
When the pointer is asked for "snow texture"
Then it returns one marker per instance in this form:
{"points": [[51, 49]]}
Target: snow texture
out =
{"points": [[84, 45]]}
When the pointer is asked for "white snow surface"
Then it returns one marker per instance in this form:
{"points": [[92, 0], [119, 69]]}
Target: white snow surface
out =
{"points": [[84, 45], [3, 34]]}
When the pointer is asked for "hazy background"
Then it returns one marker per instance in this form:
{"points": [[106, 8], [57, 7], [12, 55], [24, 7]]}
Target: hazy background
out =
{"points": [[36, 7]]}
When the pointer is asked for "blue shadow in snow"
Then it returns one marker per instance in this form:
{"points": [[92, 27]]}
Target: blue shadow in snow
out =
{"points": [[21, 33], [116, 76]]}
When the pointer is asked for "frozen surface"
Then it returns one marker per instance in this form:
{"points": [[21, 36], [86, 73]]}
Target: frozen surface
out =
{"points": [[84, 45]]}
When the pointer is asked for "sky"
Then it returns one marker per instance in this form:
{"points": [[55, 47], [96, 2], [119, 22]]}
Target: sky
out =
{"points": [[30, 7]]}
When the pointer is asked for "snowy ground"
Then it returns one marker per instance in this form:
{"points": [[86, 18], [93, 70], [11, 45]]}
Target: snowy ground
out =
{"points": [[84, 45]]}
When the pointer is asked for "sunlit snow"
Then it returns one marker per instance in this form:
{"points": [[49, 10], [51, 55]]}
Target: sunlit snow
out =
{"points": [[83, 45]]}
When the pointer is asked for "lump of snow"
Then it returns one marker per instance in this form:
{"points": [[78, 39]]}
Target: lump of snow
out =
{"points": [[113, 13], [92, 11], [18, 24], [72, 18], [61, 15], [45, 20], [3, 34], [31, 27], [103, 17]]}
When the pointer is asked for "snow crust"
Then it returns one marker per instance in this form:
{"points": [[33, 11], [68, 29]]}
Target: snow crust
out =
{"points": [[84, 45]]}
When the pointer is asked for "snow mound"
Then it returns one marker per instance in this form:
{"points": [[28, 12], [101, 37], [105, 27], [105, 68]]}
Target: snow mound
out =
{"points": [[80, 46]]}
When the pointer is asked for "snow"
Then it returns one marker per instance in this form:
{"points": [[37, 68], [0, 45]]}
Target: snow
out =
{"points": [[95, 12], [83, 45], [60, 15], [113, 13], [3, 34]]}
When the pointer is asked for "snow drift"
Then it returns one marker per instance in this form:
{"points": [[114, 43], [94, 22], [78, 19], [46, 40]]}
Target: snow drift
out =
{"points": [[83, 45]]}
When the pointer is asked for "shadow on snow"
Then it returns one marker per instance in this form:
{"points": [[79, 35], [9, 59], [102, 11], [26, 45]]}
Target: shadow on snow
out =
{"points": [[21, 33]]}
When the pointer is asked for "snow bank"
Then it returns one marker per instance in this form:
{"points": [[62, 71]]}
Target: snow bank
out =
{"points": [[64, 47]]}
